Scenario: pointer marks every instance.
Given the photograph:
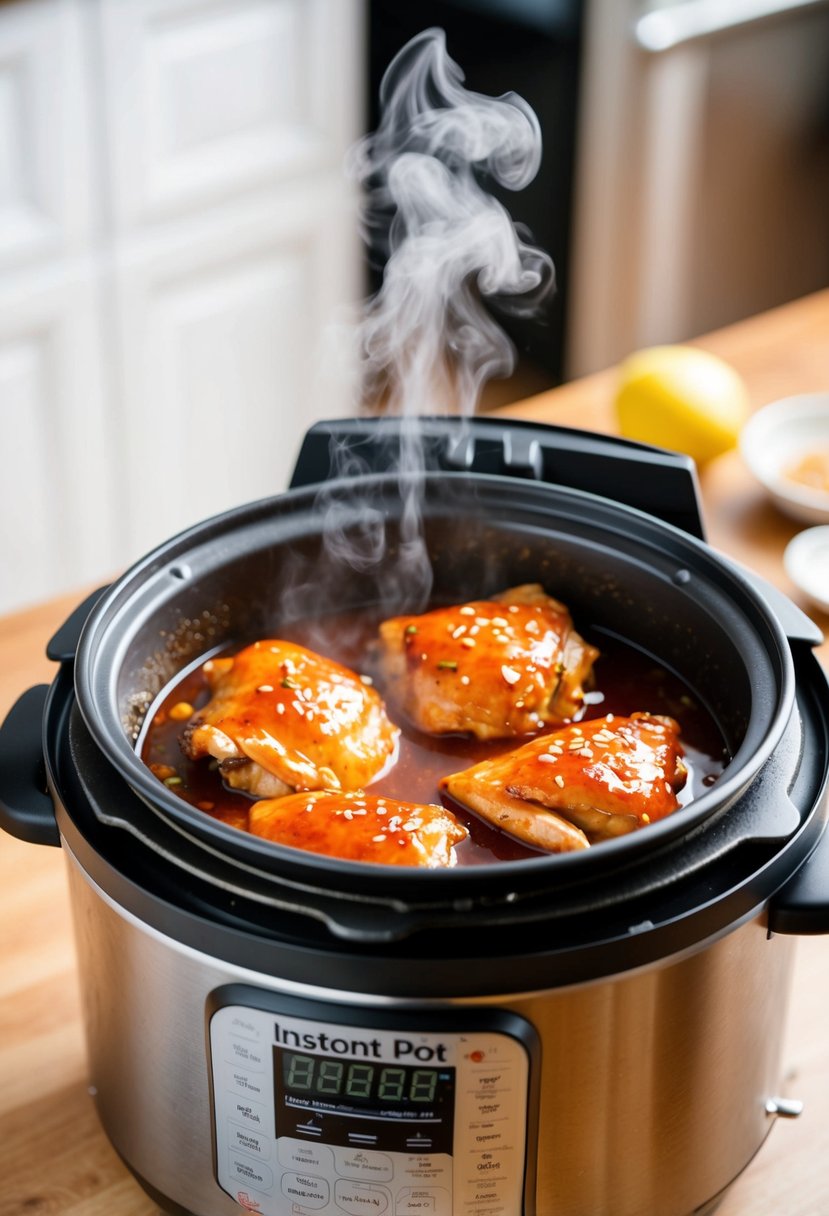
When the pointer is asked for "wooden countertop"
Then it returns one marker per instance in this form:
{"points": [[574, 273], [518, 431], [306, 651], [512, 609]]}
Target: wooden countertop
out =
{"points": [[55, 1160]]}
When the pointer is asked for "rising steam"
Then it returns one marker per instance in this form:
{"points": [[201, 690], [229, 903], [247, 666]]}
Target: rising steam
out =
{"points": [[427, 342], [426, 337]]}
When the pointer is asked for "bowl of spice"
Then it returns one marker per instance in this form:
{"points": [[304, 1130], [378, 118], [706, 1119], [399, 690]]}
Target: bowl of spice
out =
{"points": [[786, 447]]}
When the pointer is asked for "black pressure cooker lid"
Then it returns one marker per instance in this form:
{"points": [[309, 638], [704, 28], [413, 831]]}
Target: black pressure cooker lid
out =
{"points": [[676, 866]]}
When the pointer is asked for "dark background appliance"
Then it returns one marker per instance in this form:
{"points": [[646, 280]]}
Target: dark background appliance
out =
{"points": [[532, 47]]}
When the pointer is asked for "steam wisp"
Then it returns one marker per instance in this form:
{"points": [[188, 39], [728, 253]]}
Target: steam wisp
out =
{"points": [[426, 341]]}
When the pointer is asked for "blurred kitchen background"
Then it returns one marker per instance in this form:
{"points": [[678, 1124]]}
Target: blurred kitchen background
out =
{"points": [[177, 232]]}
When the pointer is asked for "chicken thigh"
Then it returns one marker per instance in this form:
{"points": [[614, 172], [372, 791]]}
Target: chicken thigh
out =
{"points": [[583, 783], [360, 827], [282, 718], [491, 668]]}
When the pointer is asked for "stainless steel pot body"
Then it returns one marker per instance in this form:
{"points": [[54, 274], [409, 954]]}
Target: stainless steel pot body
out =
{"points": [[653, 1086]]}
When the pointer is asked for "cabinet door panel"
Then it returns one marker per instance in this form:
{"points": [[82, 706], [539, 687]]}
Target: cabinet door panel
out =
{"points": [[60, 517], [45, 174], [220, 339], [209, 99]]}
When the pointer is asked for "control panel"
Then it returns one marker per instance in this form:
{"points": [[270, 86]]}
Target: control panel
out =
{"points": [[385, 1115]]}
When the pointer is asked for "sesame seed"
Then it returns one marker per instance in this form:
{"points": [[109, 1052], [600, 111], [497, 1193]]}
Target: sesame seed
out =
{"points": [[348, 814], [411, 826], [380, 837], [546, 758], [280, 708], [466, 610], [559, 780], [366, 680], [482, 621], [510, 674], [499, 620], [459, 632], [586, 752], [468, 642], [464, 679], [519, 704], [265, 688], [512, 608], [646, 817]]}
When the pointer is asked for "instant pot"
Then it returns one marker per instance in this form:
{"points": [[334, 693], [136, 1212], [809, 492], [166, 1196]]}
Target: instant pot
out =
{"points": [[591, 1034]]}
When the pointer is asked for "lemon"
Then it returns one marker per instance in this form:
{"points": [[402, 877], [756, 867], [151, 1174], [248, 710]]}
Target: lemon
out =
{"points": [[681, 398]]}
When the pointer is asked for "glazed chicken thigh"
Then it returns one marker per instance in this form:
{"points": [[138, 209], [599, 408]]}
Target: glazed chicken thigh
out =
{"points": [[491, 668], [360, 827], [282, 718], [586, 782]]}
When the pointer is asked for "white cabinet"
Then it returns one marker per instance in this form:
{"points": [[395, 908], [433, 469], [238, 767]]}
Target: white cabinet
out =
{"points": [[219, 339], [176, 233], [56, 490]]}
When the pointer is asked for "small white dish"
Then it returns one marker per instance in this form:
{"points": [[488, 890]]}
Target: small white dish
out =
{"points": [[776, 438], [806, 561]]}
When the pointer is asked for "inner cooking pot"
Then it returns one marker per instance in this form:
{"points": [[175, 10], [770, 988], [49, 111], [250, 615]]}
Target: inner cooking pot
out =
{"points": [[250, 571]]}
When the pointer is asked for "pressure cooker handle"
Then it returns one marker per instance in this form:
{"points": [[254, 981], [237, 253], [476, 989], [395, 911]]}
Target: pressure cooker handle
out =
{"points": [[26, 809], [654, 480], [64, 642], [802, 905]]}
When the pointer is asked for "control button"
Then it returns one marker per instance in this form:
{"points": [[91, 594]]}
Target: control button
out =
{"points": [[244, 1028], [249, 1055], [237, 1081], [419, 1143], [308, 1128], [423, 1201], [252, 1114], [250, 1172], [426, 1169], [313, 1158], [357, 1198], [490, 1197], [488, 1136], [253, 1201], [306, 1190], [248, 1141], [364, 1164]]}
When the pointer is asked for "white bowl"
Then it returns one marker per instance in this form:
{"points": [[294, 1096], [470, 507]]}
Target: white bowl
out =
{"points": [[775, 438], [806, 560]]}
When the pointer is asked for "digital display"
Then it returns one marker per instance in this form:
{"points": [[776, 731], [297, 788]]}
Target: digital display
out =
{"points": [[370, 1103], [355, 1079]]}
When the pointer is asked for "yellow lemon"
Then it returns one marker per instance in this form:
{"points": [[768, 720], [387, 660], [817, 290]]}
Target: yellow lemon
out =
{"points": [[682, 398]]}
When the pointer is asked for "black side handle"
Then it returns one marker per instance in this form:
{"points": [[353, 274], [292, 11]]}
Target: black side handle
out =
{"points": [[654, 480], [797, 626], [26, 809], [64, 643], [802, 905]]}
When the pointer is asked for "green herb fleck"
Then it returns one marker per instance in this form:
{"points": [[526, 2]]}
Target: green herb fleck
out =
{"points": [[289, 683], [411, 629], [448, 664], [173, 781]]}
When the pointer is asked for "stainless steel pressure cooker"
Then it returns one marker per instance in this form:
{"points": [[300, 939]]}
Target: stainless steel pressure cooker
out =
{"points": [[591, 1034]]}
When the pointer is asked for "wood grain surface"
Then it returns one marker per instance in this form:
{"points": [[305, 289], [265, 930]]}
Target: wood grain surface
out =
{"points": [[54, 1158]]}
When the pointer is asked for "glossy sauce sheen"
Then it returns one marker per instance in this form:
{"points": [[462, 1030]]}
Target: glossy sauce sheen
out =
{"points": [[626, 680]]}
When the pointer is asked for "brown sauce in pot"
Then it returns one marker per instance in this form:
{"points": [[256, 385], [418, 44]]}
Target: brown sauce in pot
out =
{"points": [[626, 680]]}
